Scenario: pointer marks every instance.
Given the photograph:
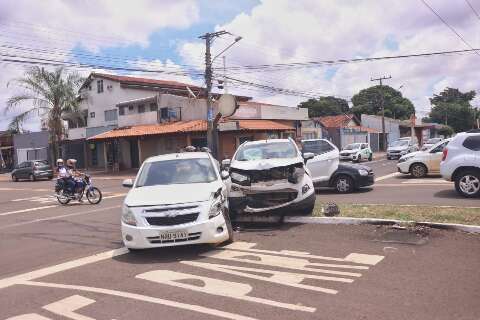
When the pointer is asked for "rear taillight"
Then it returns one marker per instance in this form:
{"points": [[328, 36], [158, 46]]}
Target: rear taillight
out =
{"points": [[445, 153]]}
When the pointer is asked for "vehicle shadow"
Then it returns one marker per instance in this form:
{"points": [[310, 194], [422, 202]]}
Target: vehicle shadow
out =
{"points": [[451, 194], [332, 191]]}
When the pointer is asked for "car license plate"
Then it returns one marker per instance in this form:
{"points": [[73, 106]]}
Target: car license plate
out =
{"points": [[165, 236]]}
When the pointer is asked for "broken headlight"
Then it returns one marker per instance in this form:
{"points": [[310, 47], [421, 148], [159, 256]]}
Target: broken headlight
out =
{"points": [[217, 205], [296, 175], [239, 178]]}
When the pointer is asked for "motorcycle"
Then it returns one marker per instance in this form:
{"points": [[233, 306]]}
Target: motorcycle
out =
{"points": [[93, 194]]}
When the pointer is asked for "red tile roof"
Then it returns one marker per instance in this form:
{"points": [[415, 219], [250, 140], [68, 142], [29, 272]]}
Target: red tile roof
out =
{"points": [[186, 126], [335, 121], [365, 129]]}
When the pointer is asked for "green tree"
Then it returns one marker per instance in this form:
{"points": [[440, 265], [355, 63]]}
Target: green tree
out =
{"points": [[368, 101], [452, 107], [325, 106], [48, 94]]}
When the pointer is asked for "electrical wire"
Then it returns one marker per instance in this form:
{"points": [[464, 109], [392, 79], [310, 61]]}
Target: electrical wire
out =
{"points": [[449, 26], [473, 9]]}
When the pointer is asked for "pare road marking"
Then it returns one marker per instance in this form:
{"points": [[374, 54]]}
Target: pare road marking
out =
{"points": [[388, 176], [67, 307]]}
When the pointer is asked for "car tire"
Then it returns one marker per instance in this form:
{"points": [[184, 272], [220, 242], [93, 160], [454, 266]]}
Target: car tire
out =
{"points": [[14, 178], [388, 158], [359, 157], [31, 177], [343, 184], [418, 170], [50, 177], [228, 223], [370, 157], [467, 183]]}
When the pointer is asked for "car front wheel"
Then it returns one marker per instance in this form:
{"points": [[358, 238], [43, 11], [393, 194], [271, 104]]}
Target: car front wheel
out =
{"points": [[14, 178], [467, 184], [418, 170], [343, 184]]}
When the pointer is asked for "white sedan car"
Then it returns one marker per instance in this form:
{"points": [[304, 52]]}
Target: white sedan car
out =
{"points": [[421, 163], [357, 152], [176, 199]]}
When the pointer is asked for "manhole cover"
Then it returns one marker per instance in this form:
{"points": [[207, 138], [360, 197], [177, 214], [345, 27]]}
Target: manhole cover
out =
{"points": [[404, 236]]}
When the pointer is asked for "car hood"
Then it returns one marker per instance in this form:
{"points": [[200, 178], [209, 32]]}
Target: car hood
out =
{"points": [[415, 154], [265, 164], [171, 194], [397, 148], [350, 151]]}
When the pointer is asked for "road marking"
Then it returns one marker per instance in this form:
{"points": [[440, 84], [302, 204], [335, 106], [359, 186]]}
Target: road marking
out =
{"points": [[388, 176], [51, 206], [427, 181], [24, 189], [352, 257], [279, 277], [217, 287], [7, 282], [411, 184], [141, 297], [30, 316], [67, 307], [56, 217]]}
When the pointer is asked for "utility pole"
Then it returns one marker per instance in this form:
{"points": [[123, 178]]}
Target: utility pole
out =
{"points": [[382, 107], [211, 126]]}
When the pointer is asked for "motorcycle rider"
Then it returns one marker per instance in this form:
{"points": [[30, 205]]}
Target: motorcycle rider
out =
{"points": [[64, 175], [75, 174]]}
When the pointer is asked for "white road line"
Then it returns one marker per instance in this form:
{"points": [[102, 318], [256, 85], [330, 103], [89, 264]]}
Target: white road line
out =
{"points": [[144, 298], [40, 273], [427, 181], [51, 206], [412, 184], [388, 176], [55, 218]]}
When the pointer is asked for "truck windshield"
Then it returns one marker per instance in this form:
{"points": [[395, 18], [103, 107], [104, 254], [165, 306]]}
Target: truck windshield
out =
{"points": [[181, 171], [271, 150]]}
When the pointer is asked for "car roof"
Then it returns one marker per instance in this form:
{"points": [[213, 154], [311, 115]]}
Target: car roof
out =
{"points": [[248, 143], [179, 155], [307, 140]]}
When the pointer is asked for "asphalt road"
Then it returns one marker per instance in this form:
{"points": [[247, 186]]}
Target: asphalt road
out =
{"points": [[50, 263]]}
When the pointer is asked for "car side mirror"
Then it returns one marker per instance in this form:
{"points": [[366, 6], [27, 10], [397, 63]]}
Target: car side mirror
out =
{"points": [[226, 164], [224, 174], [307, 156], [127, 183]]}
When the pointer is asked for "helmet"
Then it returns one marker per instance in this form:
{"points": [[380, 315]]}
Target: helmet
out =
{"points": [[59, 162], [71, 162]]}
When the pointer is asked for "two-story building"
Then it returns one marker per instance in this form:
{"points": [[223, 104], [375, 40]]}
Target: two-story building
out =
{"points": [[125, 119]]}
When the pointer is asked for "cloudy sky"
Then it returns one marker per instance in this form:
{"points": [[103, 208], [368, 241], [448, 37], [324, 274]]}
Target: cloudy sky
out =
{"points": [[163, 36]]}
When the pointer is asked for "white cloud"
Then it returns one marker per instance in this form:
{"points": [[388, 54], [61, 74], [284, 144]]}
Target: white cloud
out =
{"points": [[279, 31]]}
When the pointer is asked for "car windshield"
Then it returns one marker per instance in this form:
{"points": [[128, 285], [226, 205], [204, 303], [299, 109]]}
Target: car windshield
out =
{"points": [[399, 143], [353, 146], [41, 163], [270, 150], [181, 171]]}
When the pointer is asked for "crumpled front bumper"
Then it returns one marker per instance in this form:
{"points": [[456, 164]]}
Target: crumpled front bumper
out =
{"points": [[271, 197]]}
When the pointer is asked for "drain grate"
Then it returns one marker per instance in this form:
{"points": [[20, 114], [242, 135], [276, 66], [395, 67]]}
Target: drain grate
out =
{"points": [[410, 236]]}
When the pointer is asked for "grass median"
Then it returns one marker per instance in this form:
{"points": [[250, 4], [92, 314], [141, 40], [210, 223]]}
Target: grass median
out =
{"points": [[418, 213]]}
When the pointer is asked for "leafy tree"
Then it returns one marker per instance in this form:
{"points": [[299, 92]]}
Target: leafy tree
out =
{"points": [[325, 106], [368, 101], [453, 108], [446, 131], [51, 94]]}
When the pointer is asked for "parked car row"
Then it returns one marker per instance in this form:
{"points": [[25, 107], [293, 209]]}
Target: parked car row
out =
{"points": [[190, 198], [457, 159], [32, 170]]}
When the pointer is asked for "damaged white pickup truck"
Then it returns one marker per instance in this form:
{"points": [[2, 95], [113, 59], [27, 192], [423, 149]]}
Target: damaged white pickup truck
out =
{"points": [[270, 177]]}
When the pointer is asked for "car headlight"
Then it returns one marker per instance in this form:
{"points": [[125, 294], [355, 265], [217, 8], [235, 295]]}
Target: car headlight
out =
{"points": [[296, 175], [305, 188], [240, 178], [403, 152], [363, 172], [403, 159], [128, 217], [217, 206]]}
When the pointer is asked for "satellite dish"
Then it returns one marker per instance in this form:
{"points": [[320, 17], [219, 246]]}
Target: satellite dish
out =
{"points": [[227, 105]]}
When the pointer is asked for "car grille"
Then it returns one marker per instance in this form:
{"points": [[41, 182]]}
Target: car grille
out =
{"points": [[265, 200], [344, 154], [172, 220], [191, 237], [394, 151]]}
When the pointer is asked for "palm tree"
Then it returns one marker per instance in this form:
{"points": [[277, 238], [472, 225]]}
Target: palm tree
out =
{"points": [[51, 94]]}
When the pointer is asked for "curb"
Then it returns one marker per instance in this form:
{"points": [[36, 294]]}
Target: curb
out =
{"points": [[373, 221]]}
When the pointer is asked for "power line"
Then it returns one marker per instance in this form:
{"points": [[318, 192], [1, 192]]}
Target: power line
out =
{"points": [[279, 66], [449, 26], [473, 9]]}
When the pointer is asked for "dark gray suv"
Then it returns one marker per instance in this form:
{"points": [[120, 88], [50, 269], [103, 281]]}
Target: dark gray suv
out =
{"points": [[32, 170]]}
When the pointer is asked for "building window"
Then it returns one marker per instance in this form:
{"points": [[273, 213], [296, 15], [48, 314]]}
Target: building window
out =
{"points": [[130, 108], [89, 87], [153, 106], [111, 115], [164, 113], [141, 108], [121, 111], [92, 114], [99, 86]]}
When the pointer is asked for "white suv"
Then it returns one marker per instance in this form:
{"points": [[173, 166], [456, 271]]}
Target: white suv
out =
{"points": [[461, 163], [176, 199]]}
